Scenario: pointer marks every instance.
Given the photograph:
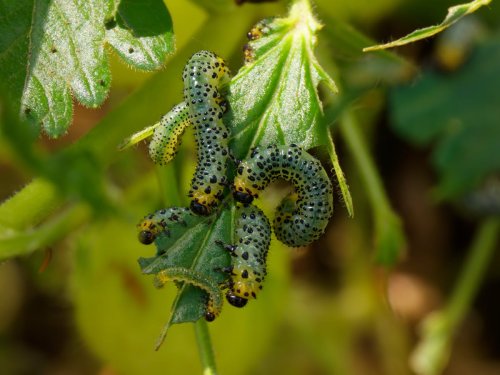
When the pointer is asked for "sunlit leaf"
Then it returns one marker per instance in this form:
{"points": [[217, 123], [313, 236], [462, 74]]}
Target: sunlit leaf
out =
{"points": [[273, 98], [52, 51], [455, 13]]}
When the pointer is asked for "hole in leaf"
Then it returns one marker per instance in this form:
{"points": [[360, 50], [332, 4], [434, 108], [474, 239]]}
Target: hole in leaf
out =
{"points": [[130, 50]]}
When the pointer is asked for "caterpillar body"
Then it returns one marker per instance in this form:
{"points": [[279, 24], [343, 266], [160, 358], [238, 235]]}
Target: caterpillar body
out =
{"points": [[159, 223], [302, 216], [249, 252], [214, 303], [203, 76], [167, 134]]}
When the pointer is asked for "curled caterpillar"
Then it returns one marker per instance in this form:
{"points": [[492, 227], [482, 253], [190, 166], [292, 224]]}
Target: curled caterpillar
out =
{"points": [[203, 76], [248, 254], [302, 216], [161, 222], [215, 300], [166, 137]]}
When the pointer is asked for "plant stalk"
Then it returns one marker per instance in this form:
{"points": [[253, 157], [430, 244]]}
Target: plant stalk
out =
{"points": [[205, 347]]}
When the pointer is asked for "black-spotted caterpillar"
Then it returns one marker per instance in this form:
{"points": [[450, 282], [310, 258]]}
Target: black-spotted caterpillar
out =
{"points": [[166, 137], [160, 223], [214, 302], [303, 215], [249, 252], [203, 76], [252, 237]]}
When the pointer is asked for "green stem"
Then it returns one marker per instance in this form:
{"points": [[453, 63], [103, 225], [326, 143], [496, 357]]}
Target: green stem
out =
{"points": [[349, 128], [29, 206], [431, 354], [389, 236], [205, 347], [475, 267], [21, 243]]}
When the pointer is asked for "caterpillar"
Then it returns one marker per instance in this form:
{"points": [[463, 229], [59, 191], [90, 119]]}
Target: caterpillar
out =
{"points": [[166, 137], [161, 222], [248, 253], [302, 216], [259, 30], [203, 76], [181, 274]]}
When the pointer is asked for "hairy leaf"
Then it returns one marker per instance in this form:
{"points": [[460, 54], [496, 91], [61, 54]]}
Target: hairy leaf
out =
{"points": [[273, 98], [52, 51], [191, 244]]}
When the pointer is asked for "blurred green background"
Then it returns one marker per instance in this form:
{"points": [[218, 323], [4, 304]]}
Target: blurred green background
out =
{"points": [[80, 305]]}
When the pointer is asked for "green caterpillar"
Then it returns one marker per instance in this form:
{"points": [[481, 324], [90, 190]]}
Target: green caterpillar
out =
{"points": [[159, 223], [249, 253], [215, 300], [166, 137], [203, 76], [302, 216]]}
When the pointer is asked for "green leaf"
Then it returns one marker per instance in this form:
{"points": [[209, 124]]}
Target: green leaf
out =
{"points": [[273, 98], [455, 13], [53, 51], [191, 243], [459, 114]]}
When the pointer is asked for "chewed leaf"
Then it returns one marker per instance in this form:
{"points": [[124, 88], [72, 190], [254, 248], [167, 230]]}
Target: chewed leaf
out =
{"points": [[273, 98], [190, 242], [53, 51], [455, 13]]}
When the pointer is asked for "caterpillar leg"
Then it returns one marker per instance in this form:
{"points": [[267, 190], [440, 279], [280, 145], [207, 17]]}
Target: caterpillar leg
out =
{"points": [[204, 75], [248, 255]]}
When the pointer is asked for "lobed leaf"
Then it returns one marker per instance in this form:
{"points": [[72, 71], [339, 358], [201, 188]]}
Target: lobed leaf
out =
{"points": [[274, 98], [191, 244], [52, 51]]}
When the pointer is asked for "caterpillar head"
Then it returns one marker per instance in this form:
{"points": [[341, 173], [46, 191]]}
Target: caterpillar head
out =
{"points": [[199, 208], [235, 300], [149, 229], [210, 316], [243, 191], [243, 197]]}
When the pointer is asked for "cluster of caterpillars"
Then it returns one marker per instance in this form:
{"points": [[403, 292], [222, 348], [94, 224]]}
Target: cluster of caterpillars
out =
{"points": [[300, 219]]}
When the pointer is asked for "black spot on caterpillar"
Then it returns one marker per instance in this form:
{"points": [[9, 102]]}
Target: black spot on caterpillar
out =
{"points": [[203, 76], [248, 254], [214, 302], [302, 216], [166, 137], [159, 223]]}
